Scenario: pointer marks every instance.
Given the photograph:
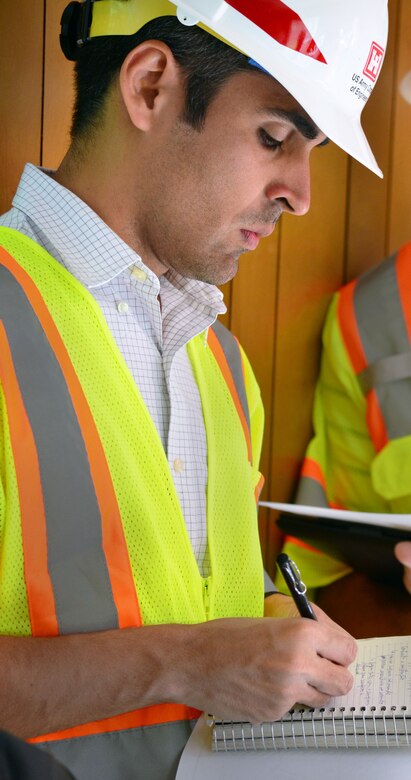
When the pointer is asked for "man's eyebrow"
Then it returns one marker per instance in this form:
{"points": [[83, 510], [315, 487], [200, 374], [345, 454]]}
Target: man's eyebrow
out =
{"points": [[304, 126]]}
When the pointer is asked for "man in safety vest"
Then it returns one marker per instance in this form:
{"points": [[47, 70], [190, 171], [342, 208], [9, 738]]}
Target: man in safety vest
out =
{"points": [[359, 457], [131, 580]]}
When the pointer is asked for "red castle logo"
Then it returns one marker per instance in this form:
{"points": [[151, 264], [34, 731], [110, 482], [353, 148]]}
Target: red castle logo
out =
{"points": [[374, 62]]}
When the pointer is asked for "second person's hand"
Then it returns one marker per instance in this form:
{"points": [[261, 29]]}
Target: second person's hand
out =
{"points": [[402, 552]]}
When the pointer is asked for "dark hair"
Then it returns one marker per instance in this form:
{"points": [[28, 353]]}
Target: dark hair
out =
{"points": [[206, 62]]}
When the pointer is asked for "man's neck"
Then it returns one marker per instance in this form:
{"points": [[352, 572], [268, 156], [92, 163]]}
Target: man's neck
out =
{"points": [[109, 192]]}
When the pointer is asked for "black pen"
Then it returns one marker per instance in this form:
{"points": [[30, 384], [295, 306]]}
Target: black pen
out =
{"points": [[292, 576]]}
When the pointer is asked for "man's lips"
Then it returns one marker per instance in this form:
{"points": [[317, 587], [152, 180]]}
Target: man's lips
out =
{"points": [[252, 237]]}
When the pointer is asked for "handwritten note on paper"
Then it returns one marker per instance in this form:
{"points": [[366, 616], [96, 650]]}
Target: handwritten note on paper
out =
{"points": [[382, 674]]}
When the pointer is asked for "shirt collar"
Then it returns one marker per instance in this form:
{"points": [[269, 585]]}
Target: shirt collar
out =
{"points": [[89, 249]]}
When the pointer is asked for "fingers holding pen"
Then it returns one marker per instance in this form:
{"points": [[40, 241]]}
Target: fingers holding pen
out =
{"points": [[320, 657], [257, 669], [336, 645], [307, 663]]}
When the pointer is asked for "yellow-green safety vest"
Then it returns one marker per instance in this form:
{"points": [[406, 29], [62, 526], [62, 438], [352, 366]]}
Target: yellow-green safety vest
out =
{"points": [[92, 536]]}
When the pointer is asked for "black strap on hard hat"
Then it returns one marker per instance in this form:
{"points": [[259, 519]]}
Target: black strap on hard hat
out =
{"points": [[75, 27]]}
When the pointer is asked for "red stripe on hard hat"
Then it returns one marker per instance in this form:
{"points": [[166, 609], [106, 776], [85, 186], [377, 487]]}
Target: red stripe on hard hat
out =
{"points": [[281, 23]]}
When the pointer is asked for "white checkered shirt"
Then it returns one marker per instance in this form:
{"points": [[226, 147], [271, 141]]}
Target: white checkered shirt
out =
{"points": [[151, 339]]}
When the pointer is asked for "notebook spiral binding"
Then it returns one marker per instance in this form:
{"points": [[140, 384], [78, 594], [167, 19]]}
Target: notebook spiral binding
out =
{"points": [[321, 728]]}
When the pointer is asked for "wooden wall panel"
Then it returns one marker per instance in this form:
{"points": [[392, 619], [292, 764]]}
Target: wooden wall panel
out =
{"points": [[58, 90], [311, 268], [368, 195], [21, 84]]}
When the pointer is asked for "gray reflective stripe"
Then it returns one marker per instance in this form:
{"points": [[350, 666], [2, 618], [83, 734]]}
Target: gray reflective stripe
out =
{"points": [[146, 753], [232, 354], [389, 369], [77, 566], [310, 493], [383, 334]]}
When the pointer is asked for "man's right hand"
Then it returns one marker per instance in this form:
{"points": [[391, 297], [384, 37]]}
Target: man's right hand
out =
{"points": [[257, 669]]}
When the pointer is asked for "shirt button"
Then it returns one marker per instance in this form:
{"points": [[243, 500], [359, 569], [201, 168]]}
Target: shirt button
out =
{"points": [[122, 307], [139, 274], [178, 466]]}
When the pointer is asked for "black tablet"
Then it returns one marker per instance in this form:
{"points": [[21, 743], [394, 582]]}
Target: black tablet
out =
{"points": [[365, 546]]}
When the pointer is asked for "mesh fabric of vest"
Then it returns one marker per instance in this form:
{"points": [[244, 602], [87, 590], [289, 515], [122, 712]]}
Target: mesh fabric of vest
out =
{"points": [[169, 586]]}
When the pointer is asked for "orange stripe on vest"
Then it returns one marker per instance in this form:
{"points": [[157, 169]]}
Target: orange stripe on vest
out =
{"points": [[225, 370], [114, 545], [403, 269], [33, 523], [258, 489], [303, 545], [312, 470], [350, 333], [349, 329], [147, 716], [376, 422]]}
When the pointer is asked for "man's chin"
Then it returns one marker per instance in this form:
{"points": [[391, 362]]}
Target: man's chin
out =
{"points": [[218, 272], [226, 270], [219, 279]]}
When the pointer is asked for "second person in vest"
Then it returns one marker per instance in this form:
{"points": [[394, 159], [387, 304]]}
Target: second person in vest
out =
{"points": [[360, 456]]}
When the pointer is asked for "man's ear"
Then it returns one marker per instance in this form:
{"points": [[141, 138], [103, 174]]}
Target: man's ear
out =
{"points": [[149, 79]]}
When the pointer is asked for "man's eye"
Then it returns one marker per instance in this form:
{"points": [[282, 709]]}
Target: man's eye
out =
{"points": [[268, 141]]}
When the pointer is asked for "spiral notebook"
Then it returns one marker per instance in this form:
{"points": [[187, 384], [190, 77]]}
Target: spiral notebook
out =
{"points": [[376, 712]]}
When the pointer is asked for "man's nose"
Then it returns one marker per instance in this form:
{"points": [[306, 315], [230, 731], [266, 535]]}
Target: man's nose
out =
{"points": [[290, 185]]}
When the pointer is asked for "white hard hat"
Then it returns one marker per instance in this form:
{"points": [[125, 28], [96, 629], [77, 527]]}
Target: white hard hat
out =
{"points": [[326, 53]]}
